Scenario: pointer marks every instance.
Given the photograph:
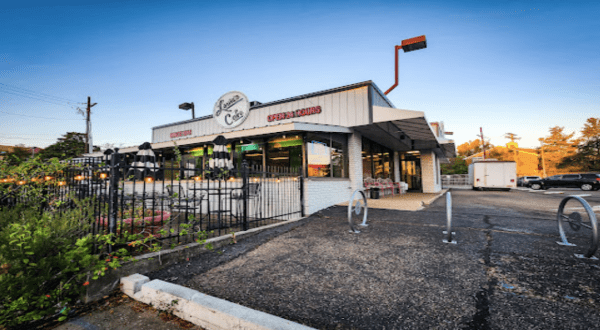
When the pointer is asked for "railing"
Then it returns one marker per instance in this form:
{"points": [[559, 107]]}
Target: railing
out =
{"points": [[128, 199], [456, 181]]}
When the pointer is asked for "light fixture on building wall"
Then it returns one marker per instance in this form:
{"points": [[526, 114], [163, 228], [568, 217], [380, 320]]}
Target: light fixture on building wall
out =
{"points": [[188, 106], [408, 45]]}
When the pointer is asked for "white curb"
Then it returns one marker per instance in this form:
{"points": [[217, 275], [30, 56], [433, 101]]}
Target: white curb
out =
{"points": [[200, 309]]}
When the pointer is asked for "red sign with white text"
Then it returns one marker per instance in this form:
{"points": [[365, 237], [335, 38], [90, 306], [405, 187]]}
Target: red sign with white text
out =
{"points": [[181, 133], [294, 114]]}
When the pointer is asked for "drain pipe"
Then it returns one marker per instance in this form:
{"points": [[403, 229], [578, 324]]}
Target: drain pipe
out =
{"points": [[408, 45]]}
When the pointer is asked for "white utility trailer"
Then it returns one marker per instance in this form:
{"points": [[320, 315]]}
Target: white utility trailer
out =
{"points": [[493, 174]]}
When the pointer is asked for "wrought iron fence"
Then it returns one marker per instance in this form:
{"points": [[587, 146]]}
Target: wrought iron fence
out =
{"points": [[129, 199]]}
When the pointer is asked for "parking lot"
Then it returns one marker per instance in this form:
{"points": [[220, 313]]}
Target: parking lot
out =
{"points": [[506, 270]]}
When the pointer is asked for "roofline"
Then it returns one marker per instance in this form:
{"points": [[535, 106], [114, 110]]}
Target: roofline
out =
{"points": [[291, 99]]}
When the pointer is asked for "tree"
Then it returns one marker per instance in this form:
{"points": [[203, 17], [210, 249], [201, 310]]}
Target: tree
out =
{"points": [[70, 145], [19, 155], [457, 165], [472, 147], [587, 157], [557, 147]]}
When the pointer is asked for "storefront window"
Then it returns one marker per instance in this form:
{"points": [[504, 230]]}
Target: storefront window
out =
{"points": [[377, 160], [367, 159], [252, 153], [285, 151], [326, 155]]}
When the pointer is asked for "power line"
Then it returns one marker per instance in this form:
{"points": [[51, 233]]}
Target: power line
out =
{"points": [[38, 99], [16, 114], [38, 94]]}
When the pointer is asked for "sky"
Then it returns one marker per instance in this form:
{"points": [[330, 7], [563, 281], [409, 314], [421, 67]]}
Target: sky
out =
{"points": [[517, 67]]}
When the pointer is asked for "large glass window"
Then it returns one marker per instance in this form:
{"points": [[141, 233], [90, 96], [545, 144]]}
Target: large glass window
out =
{"points": [[367, 159], [377, 160], [326, 155], [285, 151], [251, 152]]}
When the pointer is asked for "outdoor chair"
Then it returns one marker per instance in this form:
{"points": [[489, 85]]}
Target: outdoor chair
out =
{"points": [[386, 184], [182, 203], [253, 195], [369, 183]]}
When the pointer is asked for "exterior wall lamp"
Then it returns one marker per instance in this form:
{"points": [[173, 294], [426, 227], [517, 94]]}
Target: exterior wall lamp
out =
{"points": [[408, 45], [188, 106]]}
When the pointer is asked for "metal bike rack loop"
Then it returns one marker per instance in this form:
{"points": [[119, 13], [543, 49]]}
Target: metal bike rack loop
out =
{"points": [[357, 202], [448, 230], [575, 222]]}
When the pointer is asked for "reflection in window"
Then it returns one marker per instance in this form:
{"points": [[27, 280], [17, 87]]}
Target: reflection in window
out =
{"points": [[326, 155], [319, 158], [252, 153], [285, 152]]}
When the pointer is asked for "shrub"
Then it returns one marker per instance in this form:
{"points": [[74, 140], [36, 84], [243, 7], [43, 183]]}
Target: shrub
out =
{"points": [[45, 264]]}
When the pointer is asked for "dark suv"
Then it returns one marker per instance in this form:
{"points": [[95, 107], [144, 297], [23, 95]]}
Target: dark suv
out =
{"points": [[586, 182]]}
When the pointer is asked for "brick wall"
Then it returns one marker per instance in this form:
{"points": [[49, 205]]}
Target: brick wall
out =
{"points": [[430, 172], [355, 170], [323, 193]]}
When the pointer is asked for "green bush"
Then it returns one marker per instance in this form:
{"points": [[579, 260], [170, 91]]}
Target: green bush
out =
{"points": [[44, 265]]}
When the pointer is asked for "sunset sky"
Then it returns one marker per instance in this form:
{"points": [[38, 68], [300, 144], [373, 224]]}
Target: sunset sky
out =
{"points": [[510, 66]]}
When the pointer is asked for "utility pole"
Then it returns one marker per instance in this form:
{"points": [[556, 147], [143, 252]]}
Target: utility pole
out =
{"points": [[543, 164], [513, 137], [482, 142], [88, 127]]}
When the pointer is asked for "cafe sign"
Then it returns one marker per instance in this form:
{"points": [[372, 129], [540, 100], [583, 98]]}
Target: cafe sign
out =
{"points": [[231, 109]]}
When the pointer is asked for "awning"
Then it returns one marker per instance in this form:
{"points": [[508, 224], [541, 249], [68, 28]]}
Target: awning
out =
{"points": [[404, 130]]}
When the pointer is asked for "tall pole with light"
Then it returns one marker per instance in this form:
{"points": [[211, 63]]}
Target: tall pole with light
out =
{"points": [[188, 106], [408, 45]]}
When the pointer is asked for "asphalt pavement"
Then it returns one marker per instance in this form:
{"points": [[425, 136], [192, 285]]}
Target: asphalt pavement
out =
{"points": [[506, 270]]}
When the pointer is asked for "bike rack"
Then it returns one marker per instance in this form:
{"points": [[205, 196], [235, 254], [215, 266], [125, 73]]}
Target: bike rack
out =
{"points": [[448, 230], [575, 222], [355, 206]]}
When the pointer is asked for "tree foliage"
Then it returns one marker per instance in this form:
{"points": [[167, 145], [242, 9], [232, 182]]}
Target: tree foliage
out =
{"points": [[457, 165], [472, 147], [69, 145], [587, 156], [556, 147]]}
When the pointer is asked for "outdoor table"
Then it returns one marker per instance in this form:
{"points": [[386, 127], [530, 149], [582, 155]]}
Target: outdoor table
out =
{"points": [[221, 197]]}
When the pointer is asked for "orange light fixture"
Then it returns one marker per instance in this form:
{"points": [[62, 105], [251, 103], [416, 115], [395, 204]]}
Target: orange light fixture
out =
{"points": [[197, 178], [21, 182], [61, 183], [148, 179], [79, 177], [47, 178], [103, 175]]}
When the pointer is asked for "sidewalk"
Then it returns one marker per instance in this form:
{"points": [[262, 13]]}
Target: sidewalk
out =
{"points": [[407, 202]]}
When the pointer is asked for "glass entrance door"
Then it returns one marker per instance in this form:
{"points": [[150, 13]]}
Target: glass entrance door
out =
{"points": [[411, 171]]}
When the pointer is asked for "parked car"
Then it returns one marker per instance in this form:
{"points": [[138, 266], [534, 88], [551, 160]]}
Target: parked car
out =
{"points": [[585, 181], [523, 181]]}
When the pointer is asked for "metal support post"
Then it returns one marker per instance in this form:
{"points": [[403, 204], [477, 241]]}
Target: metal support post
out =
{"points": [[245, 193]]}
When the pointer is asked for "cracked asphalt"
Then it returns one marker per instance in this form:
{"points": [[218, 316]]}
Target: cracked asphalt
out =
{"points": [[506, 270]]}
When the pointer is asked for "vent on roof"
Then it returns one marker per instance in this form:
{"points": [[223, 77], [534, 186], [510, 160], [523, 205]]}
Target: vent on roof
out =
{"points": [[254, 103]]}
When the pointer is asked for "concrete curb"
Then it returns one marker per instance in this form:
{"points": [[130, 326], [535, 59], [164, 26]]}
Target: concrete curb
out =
{"points": [[201, 309], [156, 260], [433, 199]]}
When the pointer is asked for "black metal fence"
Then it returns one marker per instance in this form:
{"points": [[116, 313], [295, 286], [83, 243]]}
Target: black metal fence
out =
{"points": [[138, 199]]}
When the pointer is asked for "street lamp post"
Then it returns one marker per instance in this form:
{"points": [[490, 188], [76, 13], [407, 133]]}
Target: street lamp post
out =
{"points": [[408, 45], [188, 106]]}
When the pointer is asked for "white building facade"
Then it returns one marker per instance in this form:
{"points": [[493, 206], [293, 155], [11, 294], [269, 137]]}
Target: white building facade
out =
{"points": [[336, 138]]}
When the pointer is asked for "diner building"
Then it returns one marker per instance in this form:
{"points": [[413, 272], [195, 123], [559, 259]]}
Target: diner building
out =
{"points": [[336, 138]]}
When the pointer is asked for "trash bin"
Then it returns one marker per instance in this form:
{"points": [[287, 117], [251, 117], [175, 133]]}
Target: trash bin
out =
{"points": [[374, 193]]}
